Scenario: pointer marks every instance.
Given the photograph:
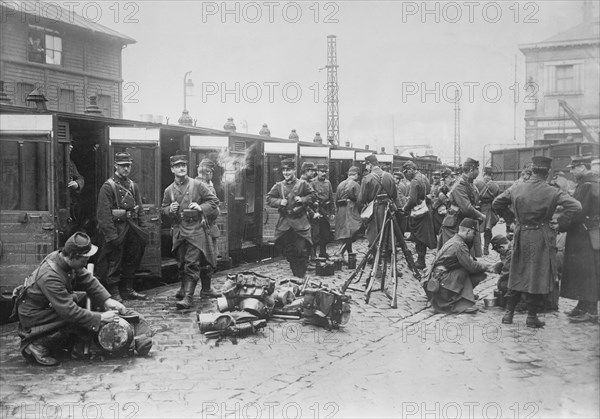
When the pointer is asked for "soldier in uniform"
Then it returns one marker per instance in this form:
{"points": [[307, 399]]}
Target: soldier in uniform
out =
{"points": [[581, 268], [463, 199], [324, 207], [378, 186], [309, 171], [439, 201], [188, 202], [488, 190], [533, 267], [421, 226], [292, 231], [122, 229], [75, 184], [347, 218], [402, 188], [457, 272], [50, 305]]}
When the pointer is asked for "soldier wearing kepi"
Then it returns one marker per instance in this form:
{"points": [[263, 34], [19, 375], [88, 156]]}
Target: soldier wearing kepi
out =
{"points": [[324, 209], [187, 201], [292, 231], [309, 171], [347, 218], [463, 199], [582, 249], [50, 305], [420, 225], [533, 265], [122, 229], [488, 190], [377, 186]]}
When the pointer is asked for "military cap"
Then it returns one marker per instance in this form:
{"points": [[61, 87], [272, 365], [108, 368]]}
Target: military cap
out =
{"points": [[471, 162], [488, 170], [123, 157], [498, 240], [541, 162], [469, 223], [208, 164], [308, 165], [579, 160], [288, 164], [322, 168], [178, 158], [372, 159], [436, 173], [80, 244], [353, 170], [399, 174], [408, 165]]}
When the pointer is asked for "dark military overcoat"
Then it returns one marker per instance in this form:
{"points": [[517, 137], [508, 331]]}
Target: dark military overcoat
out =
{"points": [[376, 183], [347, 219]]}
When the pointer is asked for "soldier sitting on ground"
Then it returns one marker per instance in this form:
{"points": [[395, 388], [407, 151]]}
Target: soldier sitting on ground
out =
{"points": [[49, 305]]}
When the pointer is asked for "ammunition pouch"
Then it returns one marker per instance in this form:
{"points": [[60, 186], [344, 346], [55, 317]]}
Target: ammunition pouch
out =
{"points": [[190, 215], [452, 217], [119, 215]]}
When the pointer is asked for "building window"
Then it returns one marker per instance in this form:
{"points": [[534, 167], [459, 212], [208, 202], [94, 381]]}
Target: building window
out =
{"points": [[66, 101], [104, 103], [23, 90], [44, 46], [565, 78]]}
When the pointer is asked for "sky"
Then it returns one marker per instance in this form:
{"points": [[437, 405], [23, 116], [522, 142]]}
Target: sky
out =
{"points": [[399, 65]]}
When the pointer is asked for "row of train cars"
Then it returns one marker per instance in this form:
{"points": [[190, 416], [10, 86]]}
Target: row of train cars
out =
{"points": [[37, 215]]}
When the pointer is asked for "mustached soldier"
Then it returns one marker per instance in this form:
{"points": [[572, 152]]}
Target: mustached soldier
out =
{"points": [[188, 201], [292, 231], [321, 225], [123, 231]]}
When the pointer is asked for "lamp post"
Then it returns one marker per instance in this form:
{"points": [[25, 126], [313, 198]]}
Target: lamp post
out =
{"points": [[185, 118]]}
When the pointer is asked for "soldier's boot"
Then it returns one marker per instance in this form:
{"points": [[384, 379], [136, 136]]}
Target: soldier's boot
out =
{"points": [[179, 293], [40, 350], [188, 295], [129, 293], [205, 280], [532, 319], [115, 294], [511, 303]]}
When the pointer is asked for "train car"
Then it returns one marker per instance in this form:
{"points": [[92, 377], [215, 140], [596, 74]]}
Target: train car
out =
{"points": [[340, 161], [508, 163], [38, 214]]}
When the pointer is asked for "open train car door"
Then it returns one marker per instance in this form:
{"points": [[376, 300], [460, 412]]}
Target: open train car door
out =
{"points": [[214, 148], [315, 154], [340, 162], [27, 202], [144, 146], [274, 153]]}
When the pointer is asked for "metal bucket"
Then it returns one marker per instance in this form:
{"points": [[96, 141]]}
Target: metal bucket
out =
{"points": [[351, 260], [490, 302]]}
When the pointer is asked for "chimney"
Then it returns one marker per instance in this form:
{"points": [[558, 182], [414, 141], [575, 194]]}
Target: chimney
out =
{"points": [[367, 147], [294, 136], [229, 125], [39, 99], [382, 150], [265, 131], [348, 144], [92, 108], [318, 139]]}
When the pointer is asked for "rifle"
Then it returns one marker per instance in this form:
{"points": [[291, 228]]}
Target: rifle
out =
{"points": [[239, 330]]}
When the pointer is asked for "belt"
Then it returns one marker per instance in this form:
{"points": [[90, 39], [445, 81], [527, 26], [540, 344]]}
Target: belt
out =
{"points": [[531, 226]]}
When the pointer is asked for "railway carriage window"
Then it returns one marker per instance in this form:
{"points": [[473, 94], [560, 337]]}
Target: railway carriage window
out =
{"points": [[24, 175]]}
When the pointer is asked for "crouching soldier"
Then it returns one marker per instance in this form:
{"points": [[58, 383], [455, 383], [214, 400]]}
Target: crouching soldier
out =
{"points": [[189, 203], [292, 231], [50, 306]]}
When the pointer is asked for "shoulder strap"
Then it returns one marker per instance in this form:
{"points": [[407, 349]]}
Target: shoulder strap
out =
{"points": [[114, 188]]}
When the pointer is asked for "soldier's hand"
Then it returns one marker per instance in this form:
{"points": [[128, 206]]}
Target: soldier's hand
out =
{"points": [[297, 199], [174, 206], [284, 202], [109, 316], [111, 304], [195, 206], [72, 184]]}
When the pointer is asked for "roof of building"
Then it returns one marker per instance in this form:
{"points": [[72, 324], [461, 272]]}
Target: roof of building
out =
{"points": [[53, 12], [584, 33]]}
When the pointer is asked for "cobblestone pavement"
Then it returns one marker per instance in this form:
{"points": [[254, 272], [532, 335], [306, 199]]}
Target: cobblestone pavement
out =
{"points": [[404, 362]]}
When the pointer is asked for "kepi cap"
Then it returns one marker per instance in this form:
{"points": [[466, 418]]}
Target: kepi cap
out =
{"points": [[372, 159], [541, 162], [498, 240], [579, 160], [178, 158], [470, 223], [322, 168], [308, 165], [123, 157], [207, 164], [288, 164], [353, 170], [80, 244], [469, 162], [488, 170], [408, 165]]}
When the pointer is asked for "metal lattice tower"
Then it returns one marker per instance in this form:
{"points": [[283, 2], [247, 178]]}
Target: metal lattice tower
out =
{"points": [[333, 116], [457, 160]]}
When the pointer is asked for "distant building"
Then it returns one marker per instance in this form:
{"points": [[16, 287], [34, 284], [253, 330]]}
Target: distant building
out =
{"points": [[68, 57], [563, 67]]}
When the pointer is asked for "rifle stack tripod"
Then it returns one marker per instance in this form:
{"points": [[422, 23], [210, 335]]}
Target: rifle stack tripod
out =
{"points": [[382, 249]]}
